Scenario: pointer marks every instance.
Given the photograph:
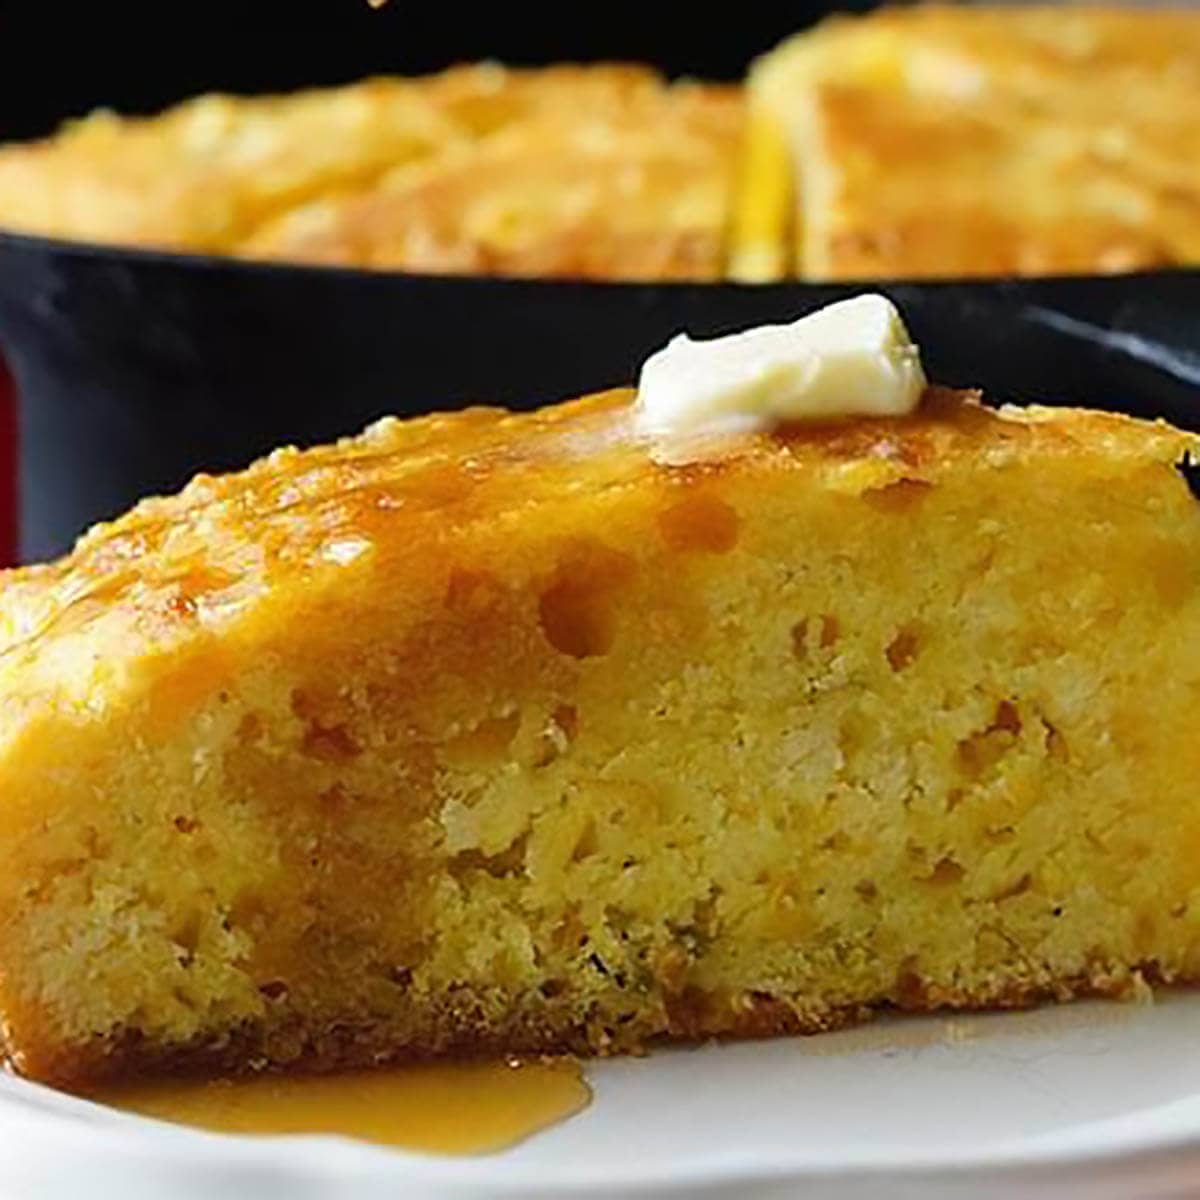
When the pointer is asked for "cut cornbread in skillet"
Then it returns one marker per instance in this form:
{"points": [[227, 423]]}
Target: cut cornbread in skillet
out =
{"points": [[955, 140], [489, 732], [206, 174], [203, 174], [1048, 206], [641, 190]]}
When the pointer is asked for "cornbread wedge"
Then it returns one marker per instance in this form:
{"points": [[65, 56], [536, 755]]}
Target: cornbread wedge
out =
{"points": [[490, 732], [640, 191], [939, 140]]}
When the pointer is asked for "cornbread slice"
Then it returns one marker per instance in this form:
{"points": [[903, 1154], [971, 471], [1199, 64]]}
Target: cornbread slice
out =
{"points": [[206, 174], [640, 191], [940, 141], [490, 732]]}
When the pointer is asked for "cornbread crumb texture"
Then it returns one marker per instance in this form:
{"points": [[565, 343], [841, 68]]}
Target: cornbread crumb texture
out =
{"points": [[487, 731], [940, 140]]}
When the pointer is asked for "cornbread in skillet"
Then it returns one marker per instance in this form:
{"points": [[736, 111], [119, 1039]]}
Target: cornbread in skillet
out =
{"points": [[642, 190], [966, 140], [490, 732], [915, 141], [207, 174]]}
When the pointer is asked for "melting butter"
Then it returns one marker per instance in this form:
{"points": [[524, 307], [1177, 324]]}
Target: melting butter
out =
{"points": [[852, 358]]}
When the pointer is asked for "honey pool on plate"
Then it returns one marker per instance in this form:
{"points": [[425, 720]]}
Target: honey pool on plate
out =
{"points": [[441, 1108]]}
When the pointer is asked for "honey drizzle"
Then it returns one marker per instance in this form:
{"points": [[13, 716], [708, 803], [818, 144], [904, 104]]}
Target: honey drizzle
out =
{"points": [[442, 1108]]}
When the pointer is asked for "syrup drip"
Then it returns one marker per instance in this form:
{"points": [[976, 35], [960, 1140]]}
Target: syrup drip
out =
{"points": [[439, 1108]]}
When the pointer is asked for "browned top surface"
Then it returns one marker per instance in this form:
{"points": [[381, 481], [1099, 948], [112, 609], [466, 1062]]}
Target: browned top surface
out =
{"points": [[937, 140], [917, 190], [639, 191], [484, 479], [206, 174]]}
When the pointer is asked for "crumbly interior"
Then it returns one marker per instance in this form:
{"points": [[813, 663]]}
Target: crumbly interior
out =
{"points": [[746, 755]]}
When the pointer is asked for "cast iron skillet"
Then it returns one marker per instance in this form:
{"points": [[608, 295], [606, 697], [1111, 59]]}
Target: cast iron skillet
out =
{"points": [[135, 369]]}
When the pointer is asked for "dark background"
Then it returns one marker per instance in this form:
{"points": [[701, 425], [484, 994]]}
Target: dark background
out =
{"points": [[62, 59]]}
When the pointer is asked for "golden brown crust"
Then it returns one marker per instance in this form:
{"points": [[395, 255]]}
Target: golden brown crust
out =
{"points": [[924, 141], [640, 191], [457, 1032], [917, 191], [204, 174], [942, 141], [207, 174], [486, 97], [460, 476]]}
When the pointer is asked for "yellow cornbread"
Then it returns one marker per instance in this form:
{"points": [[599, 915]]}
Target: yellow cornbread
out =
{"points": [[639, 190], [208, 174], [947, 140], [486, 732]]}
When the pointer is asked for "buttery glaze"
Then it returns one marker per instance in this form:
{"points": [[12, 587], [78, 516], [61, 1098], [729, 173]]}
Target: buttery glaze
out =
{"points": [[439, 1108]]}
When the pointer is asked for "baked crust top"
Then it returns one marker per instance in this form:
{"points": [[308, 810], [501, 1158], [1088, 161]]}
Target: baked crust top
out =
{"points": [[410, 501], [205, 175], [948, 141], [638, 191]]}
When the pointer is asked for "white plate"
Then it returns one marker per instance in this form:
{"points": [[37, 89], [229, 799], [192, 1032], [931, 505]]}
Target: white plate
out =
{"points": [[1098, 1100]]}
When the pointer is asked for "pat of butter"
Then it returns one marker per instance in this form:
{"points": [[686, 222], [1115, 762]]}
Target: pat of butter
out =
{"points": [[853, 358]]}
